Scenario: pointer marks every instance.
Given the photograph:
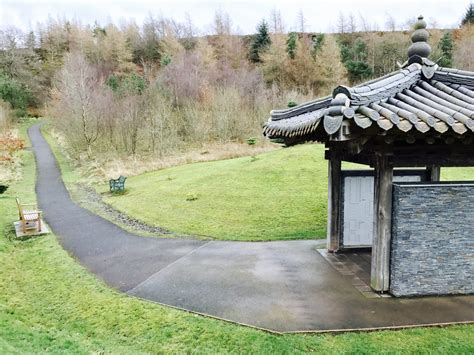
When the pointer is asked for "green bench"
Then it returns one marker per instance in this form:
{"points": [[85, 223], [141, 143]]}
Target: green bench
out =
{"points": [[117, 185]]}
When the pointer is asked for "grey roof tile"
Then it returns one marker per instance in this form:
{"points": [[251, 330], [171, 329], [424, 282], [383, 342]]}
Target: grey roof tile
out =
{"points": [[404, 98]]}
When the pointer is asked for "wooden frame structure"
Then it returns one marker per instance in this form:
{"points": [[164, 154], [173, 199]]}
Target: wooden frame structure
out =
{"points": [[419, 116]]}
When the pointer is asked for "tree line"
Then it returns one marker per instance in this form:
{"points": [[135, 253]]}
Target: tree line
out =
{"points": [[160, 87]]}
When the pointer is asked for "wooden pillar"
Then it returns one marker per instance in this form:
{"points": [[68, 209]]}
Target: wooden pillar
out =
{"points": [[434, 172], [334, 205], [380, 270]]}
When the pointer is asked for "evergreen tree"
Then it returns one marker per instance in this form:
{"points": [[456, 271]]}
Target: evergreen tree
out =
{"points": [[446, 47], [317, 42], [12, 91], [291, 44], [354, 57], [469, 16], [261, 41]]}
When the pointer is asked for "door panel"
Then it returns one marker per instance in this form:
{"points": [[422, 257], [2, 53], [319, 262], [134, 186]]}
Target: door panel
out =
{"points": [[358, 214]]}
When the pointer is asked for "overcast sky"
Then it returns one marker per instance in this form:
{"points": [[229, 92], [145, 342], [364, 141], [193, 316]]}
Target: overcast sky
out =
{"points": [[321, 16]]}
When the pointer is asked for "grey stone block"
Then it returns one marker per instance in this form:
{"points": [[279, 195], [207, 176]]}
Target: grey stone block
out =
{"points": [[432, 248]]}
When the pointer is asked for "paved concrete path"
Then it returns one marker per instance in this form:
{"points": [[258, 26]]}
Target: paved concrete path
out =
{"points": [[282, 286]]}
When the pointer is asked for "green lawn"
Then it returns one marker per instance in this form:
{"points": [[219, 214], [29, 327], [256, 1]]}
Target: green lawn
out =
{"points": [[457, 174], [276, 195], [273, 196], [50, 304]]}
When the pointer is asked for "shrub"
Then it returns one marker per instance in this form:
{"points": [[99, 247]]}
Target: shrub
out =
{"points": [[126, 84], [13, 92], [252, 141], [9, 145]]}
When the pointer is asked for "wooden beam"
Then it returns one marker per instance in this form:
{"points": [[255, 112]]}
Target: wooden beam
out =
{"points": [[425, 160], [334, 205], [350, 158], [434, 172], [380, 269]]}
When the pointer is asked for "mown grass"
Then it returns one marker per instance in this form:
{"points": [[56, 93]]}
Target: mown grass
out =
{"points": [[272, 196], [50, 304], [457, 174]]}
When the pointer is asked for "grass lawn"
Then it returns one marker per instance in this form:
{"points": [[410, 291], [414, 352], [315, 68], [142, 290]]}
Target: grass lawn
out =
{"points": [[457, 174], [273, 196], [50, 304]]}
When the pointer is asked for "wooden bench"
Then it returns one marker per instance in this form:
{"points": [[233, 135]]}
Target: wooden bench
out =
{"points": [[30, 216], [117, 184]]}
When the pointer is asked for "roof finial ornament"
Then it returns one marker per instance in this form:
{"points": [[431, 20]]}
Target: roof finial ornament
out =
{"points": [[420, 47]]}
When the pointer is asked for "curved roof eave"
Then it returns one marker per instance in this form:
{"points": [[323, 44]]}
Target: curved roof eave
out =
{"points": [[423, 97]]}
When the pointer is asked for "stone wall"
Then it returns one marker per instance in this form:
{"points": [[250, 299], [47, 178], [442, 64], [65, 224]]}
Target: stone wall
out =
{"points": [[432, 249]]}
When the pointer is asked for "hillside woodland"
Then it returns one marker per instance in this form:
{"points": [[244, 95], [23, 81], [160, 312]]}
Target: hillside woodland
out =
{"points": [[162, 88]]}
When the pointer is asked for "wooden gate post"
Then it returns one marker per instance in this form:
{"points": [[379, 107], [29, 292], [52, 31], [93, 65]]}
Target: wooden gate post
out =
{"points": [[380, 270], [334, 205], [434, 172]]}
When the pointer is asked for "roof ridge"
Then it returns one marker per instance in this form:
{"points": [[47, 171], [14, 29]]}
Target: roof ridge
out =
{"points": [[305, 107], [382, 88]]}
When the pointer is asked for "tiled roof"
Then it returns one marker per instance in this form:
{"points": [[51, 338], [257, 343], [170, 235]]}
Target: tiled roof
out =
{"points": [[420, 97]]}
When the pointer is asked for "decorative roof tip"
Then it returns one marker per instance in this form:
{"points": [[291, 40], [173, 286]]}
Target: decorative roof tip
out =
{"points": [[420, 48]]}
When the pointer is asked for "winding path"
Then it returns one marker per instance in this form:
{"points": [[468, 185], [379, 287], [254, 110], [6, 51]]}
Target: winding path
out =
{"points": [[282, 286]]}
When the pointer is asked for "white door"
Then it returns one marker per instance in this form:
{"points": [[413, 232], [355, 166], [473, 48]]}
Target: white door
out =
{"points": [[358, 209]]}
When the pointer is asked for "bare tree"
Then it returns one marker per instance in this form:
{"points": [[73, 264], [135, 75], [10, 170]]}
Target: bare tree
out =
{"points": [[132, 108], [390, 23], [157, 113], [408, 24], [301, 21], [364, 23], [190, 30], [341, 23], [79, 97], [222, 24], [375, 26], [276, 22], [433, 23], [351, 24]]}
